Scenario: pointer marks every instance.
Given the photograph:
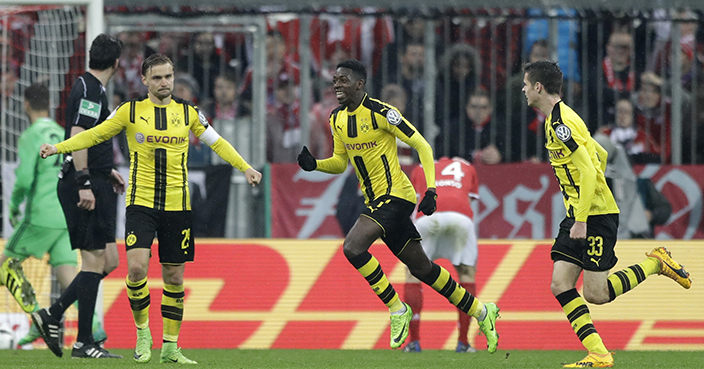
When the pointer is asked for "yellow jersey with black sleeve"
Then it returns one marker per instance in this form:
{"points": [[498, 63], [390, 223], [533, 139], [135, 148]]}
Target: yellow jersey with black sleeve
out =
{"points": [[157, 136], [367, 138], [578, 162]]}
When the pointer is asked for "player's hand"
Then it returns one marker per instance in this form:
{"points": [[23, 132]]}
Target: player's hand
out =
{"points": [[253, 176], [306, 160], [428, 205], [47, 150], [578, 230], [86, 199], [118, 183], [14, 217]]}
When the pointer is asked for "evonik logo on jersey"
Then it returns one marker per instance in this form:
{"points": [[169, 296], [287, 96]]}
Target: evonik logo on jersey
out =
{"points": [[361, 146], [141, 138]]}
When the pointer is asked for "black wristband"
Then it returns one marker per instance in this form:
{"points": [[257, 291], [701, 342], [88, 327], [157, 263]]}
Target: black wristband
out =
{"points": [[83, 179]]}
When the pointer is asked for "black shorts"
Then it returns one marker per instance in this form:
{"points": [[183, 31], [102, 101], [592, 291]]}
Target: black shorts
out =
{"points": [[172, 228], [89, 230], [393, 215], [596, 252]]}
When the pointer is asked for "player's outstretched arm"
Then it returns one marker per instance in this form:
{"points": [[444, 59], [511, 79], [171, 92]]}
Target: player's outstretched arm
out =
{"points": [[47, 150], [253, 176]]}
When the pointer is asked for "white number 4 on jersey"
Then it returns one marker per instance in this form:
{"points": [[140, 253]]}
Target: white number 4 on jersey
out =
{"points": [[455, 170]]}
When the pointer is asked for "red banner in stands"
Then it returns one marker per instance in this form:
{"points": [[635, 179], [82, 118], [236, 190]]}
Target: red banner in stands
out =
{"points": [[516, 201]]}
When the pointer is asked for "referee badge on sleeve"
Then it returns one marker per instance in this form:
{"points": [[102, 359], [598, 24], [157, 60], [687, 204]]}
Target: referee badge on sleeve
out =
{"points": [[563, 132], [393, 116]]}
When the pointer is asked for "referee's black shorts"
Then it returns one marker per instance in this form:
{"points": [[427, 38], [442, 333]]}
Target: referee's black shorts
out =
{"points": [[89, 230], [393, 215]]}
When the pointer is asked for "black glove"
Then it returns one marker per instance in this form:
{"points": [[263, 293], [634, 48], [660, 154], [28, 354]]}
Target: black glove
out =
{"points": [[306, 160], [428, 205]]}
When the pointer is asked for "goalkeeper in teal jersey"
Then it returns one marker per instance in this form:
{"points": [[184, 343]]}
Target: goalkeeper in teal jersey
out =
{"points": [[42, 229]]}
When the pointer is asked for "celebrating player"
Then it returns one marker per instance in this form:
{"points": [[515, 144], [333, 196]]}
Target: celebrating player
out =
{"points": [[365, 132], [448, 234], [158, 198], [587, 235]]}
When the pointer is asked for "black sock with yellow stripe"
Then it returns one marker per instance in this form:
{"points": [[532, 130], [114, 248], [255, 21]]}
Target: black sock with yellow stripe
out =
{"points": [[627, 279], [370, 269], [441, 280], [579, 317], [172, 311], [140, 299]]}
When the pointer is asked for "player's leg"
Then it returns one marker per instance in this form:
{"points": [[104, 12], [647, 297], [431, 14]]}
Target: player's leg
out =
{"points": [[440, 280], [176, 247], [413, 296], [570, 257], [466, 275], [364, 232], [462, 251], [26, 240], [564, 280], [413, 288], [140, 227]]}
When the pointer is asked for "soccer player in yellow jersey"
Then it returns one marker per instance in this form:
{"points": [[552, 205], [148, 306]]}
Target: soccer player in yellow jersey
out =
{"points": [[158, 199], [587, 235], [364, 132]]}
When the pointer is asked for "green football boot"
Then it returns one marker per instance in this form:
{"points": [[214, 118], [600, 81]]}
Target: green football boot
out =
{"points": [[399, 327], [171, 353], [488, 327], [143, 349]]}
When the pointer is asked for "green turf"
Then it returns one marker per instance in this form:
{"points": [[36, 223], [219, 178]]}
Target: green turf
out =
{"points": [[358, 359]]}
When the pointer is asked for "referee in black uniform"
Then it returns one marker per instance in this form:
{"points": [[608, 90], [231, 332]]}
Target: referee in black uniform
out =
{"points": [[88, 194]]}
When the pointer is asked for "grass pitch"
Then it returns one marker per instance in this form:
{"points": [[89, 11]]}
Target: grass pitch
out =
{"points": [[358, 359]]}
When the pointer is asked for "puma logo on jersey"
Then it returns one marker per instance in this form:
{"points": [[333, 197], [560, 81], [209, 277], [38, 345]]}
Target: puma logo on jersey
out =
{"points": [[361, 146], [144, 119]]}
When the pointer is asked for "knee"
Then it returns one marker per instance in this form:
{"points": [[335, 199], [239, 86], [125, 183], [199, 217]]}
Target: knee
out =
{"points": [[137, 272], [110, 265], [558, 287], [351, 250]]}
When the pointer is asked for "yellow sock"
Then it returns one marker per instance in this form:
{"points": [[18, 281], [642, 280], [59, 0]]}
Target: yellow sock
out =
{"points": [[580, 319], [140, 299], [172, 311]]}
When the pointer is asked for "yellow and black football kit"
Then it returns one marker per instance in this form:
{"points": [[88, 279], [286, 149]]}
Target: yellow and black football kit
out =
{"points": [[157, 136], [367, 138], [578, 162]]}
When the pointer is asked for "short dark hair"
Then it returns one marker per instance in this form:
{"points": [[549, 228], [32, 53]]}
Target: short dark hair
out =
{"points": [[37, 95], [104, 51], [357, 67], [547, 73], [155, 59]]}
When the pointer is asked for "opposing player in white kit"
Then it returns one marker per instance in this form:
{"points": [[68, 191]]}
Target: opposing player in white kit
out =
{"points": [[447, 234]]}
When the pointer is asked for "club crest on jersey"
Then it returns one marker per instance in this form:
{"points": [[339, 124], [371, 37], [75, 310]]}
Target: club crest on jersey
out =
{"points": [[563, 132], [393, 116], [139, 137], [175, 121], [364, 126]]}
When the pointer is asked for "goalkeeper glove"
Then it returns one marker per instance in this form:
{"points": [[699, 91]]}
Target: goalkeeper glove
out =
{"points": [[306, 160], [428, 205]]}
